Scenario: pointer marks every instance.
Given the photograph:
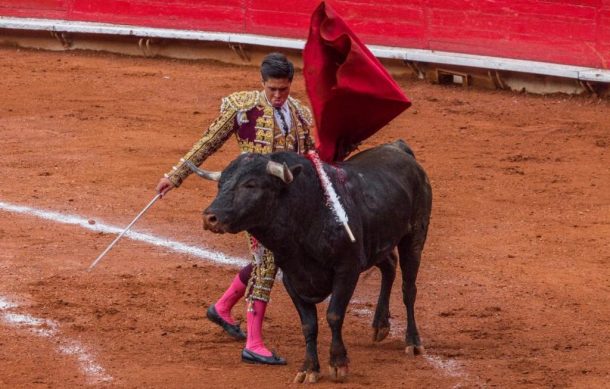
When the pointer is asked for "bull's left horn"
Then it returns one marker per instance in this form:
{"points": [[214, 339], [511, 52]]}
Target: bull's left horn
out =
{"points": [[280, 170], [213, 176]]}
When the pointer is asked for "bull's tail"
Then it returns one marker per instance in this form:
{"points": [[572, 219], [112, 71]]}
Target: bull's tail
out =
{"points": [[401, 144]]}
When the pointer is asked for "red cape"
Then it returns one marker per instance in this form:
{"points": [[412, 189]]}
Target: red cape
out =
{"points": [[351, 93]]}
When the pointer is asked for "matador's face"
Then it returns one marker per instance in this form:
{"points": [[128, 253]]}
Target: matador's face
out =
{"points": [[277, 90]]}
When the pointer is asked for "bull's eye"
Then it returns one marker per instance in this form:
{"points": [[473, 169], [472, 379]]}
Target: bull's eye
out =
{"points": [[250, 184]]}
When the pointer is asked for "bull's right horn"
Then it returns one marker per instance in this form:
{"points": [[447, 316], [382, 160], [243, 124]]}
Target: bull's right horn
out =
{"points": [[280, 170], [213, 176]]}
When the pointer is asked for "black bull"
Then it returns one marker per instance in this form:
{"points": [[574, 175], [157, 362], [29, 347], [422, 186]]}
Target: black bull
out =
{"points": [[387, 197]]}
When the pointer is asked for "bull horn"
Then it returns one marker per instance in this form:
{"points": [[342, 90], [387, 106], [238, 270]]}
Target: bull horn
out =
{"points": [[212, 176], [280, 170]]}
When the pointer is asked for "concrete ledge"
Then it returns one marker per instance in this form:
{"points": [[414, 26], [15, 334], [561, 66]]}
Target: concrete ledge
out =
{"points": [[243, 49], [407, 54]]}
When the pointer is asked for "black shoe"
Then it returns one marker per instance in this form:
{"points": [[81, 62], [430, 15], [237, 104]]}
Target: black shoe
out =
{"points": [[232, 329], [252, 357]]}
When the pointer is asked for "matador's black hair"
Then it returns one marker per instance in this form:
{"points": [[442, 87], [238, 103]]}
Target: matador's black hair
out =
{"points": [[276, 65]]}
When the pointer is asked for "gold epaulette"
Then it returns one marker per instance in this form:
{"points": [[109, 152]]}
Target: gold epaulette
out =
{"points": [[240, 101], [302, 110]]}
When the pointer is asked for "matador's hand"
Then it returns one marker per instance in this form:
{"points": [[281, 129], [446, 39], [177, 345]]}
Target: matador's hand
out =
{"points": [[164, 186]]}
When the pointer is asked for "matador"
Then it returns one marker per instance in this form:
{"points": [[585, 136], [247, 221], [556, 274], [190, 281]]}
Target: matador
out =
{"points": [[262, 122]]}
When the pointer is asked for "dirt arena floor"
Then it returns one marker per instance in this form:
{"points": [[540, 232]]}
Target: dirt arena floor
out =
{"points": [[514, 287]]}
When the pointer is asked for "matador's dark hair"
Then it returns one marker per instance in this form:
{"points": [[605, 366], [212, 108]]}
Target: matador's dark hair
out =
{"points": [[276, 65]]}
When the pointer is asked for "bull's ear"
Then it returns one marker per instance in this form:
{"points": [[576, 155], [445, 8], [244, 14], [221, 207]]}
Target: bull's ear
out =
{"points": [[296, 170]]}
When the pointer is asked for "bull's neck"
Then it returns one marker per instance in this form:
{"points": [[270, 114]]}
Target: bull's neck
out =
{"points": [[300, 213]]}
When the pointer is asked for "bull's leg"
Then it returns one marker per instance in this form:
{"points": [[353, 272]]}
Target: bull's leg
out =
{"points": [[410, 249], [343, 289], [310, 370], [381, 320]]}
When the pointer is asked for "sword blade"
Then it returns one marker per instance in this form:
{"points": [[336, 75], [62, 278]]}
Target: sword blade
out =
{"points": [[124, 231]]}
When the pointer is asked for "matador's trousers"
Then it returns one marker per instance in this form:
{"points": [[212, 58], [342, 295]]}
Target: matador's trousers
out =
{"points": [[259, 275]]}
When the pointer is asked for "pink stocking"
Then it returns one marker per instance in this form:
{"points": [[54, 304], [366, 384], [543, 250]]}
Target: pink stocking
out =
{"points": [[255, 318], [229, 299]]}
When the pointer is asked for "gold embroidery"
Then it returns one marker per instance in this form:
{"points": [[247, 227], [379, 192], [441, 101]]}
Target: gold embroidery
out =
{"points": [[264, 135], [264, 129], [263, 271], [215, 136], [303, 112], [249, 147], [240, 101]]}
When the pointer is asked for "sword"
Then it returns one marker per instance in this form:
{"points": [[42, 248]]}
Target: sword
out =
{"points": [[124, 231]]}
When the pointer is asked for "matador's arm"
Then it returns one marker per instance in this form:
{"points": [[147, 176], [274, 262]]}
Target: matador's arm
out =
{"points": [[214, 137]]}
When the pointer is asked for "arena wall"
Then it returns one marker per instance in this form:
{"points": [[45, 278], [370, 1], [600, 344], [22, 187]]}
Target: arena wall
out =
{"points": [[468, 42], [574, 32]]}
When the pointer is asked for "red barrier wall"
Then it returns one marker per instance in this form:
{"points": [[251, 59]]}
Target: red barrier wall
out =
{"points": [[575, 32]]}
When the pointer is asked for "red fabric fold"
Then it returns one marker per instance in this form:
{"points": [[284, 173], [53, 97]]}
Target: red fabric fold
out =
{"points": [[351, 93]]}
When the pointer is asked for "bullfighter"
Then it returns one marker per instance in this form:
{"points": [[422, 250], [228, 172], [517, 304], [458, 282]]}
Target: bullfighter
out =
{"points": [[262, 122]]}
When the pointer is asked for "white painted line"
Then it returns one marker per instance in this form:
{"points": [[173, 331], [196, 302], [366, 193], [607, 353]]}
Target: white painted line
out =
{"points": [[85, 360], [50, 329], [448, 366], [451, 367], [198, 252], [42, 327], [404, 53], [6, 304]]}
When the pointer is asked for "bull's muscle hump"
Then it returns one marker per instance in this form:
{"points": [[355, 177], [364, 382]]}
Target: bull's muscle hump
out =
{"points": [[378, 195], [381, 185]]}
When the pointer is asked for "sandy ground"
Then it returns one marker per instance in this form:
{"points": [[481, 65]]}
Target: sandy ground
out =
{"points": [[514, 288]]}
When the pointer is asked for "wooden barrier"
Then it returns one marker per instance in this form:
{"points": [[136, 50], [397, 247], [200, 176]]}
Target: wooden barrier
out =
{"points": [[572, 32]]}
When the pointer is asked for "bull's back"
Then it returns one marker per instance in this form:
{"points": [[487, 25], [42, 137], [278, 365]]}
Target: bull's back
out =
{"points": [[391, 166], [390, 191]]}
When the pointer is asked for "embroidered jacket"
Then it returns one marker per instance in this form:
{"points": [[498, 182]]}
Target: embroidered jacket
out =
{"points": [[249, 116]]}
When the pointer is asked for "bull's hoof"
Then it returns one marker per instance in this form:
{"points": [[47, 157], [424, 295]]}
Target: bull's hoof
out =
{"points": [[307, 377], [380, 334], [412, 350], [338, 373]]}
